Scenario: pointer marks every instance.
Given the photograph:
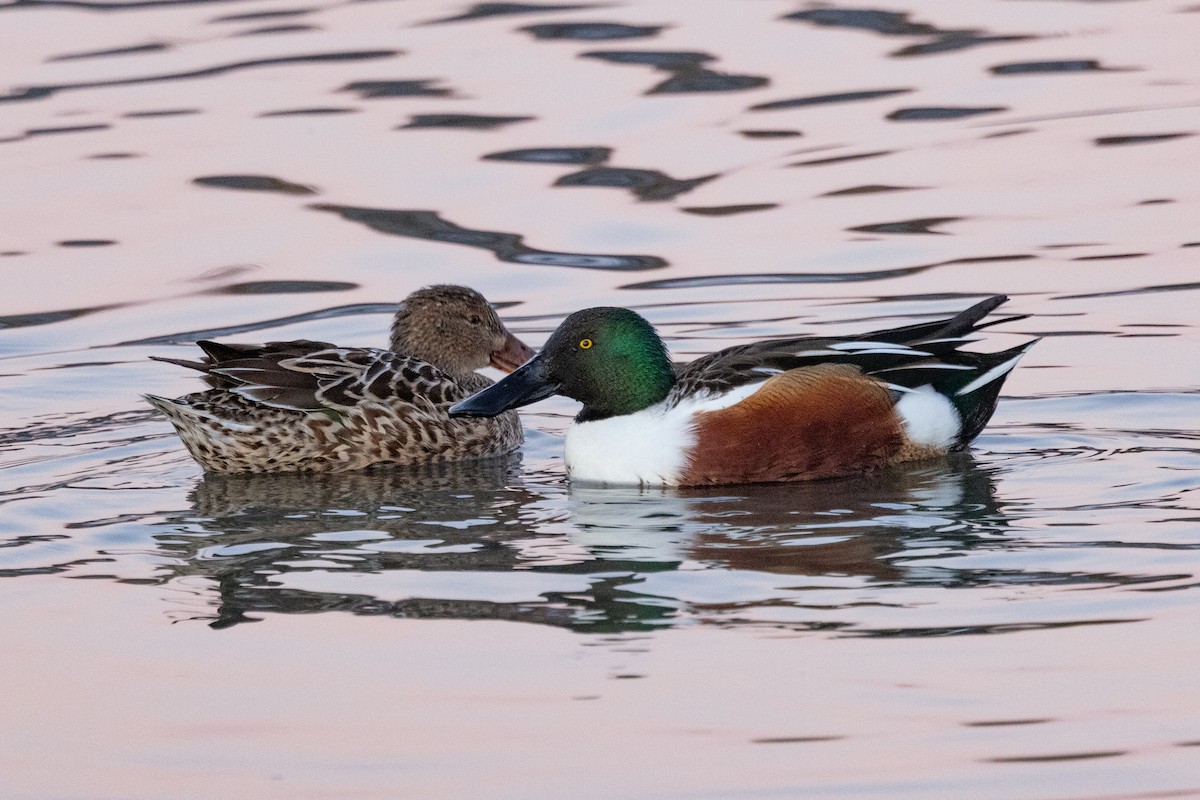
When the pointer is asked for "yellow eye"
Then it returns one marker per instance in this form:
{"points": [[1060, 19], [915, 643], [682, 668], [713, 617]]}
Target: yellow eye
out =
{"points": [[585, 343]]}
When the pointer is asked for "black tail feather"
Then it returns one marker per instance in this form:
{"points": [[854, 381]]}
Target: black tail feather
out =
{"points": [[199, 366], [958, 325], [976, 407], [966, 321], [1000, 321]]}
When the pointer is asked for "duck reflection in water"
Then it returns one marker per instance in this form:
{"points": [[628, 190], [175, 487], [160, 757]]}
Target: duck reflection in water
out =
{"points": [[849, 527], [247, 531], [469, 540]]}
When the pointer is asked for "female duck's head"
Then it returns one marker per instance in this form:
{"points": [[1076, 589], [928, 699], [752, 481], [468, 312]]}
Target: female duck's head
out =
{"points": [[609, 359], [455, 329]]}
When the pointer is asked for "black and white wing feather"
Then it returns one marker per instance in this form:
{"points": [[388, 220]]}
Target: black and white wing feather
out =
{"points": [[903, 358]]}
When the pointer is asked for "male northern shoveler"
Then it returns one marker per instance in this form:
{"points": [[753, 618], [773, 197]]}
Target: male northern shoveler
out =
{"points": [[313, 406], [784, 410]]}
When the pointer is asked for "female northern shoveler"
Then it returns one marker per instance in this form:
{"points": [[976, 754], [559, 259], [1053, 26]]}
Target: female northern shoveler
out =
{"points": [[785, 410], [313, 406]]}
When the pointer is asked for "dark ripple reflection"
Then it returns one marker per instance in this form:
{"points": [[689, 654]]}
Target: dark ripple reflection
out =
{"points": [[686, 68], [485, 10], [47, 90], [896, 23], [590, 31], [506, 246]]}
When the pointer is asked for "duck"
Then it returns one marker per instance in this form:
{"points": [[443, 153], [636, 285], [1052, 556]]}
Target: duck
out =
{"points": [[794, 409], [309, 406]]}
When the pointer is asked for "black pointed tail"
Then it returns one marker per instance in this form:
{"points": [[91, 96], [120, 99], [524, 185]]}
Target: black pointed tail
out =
{"points": [[976, 399]]}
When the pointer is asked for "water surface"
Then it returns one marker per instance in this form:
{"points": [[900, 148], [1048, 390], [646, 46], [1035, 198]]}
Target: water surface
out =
{"points": [[1017, 621]]}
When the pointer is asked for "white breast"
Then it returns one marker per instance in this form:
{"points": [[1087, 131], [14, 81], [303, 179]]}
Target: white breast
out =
{"points": [[649, 448]]}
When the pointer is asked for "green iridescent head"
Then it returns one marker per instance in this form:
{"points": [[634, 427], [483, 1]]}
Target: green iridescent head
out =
{"points": [[609, 359]]}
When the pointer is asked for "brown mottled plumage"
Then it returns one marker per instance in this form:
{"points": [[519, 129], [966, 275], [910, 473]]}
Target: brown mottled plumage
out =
{"points": [[312, 406]]}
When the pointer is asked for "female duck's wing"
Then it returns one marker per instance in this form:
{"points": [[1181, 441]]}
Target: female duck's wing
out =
{"points": [[218, 355], [348, 377], [316, 376]]}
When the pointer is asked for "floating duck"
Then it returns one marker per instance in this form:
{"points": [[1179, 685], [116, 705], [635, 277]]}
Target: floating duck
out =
{"points": [[783, 410], [313, 406]]}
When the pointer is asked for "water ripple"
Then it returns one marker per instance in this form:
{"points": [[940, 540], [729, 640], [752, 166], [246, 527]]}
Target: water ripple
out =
{"points": [[284, 287], [49, 317], [47, 90], [116, 5], [187, 337], [485, 10], [811, 277], [923, 225], [422, 87], [315, 111], [726, 211], [252, 16], [826, 99], [781, 133], [591, 31], [506, 246], [645, 184], [56, 131], [687, 74], [554, 155], [137, 49], [869, 188], [254, 183], [1053, 67], [895, 23], [271, 30], [474, 122], [937, 113], [827, 160], [1146, 138], [166, 112], [1167, 287]]}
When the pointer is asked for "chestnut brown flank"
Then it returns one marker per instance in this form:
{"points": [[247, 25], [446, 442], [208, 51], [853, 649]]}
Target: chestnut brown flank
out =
{"points": [[807, 423]]}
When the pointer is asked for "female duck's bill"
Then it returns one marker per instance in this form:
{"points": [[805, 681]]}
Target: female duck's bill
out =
{"points": [[783, 410]]}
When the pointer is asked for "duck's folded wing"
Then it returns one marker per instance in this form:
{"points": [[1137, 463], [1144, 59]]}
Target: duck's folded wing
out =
{"points": [[753, 363], [346, 377], [898, 355], [219, 357]]}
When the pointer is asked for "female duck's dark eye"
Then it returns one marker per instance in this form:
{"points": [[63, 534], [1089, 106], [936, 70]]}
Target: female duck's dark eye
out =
{"points": [[475, 319], [585, 344]]}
